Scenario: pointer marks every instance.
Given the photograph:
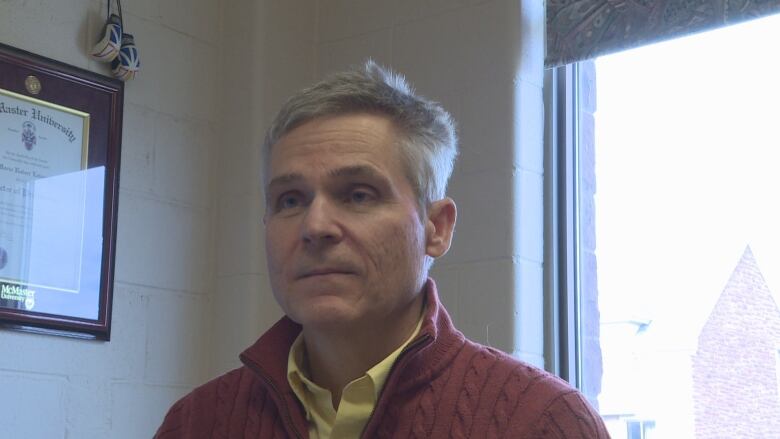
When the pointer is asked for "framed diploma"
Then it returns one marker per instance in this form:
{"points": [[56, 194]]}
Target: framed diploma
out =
{"points": [[60, 134]]}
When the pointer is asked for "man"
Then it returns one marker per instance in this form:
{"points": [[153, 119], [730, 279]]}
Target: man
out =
{"points": [[356, 169]]}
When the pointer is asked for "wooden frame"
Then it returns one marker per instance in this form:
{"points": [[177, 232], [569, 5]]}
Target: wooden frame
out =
{"points": [[60, 137]]}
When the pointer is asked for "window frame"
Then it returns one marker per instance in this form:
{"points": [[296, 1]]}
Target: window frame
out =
{"points": [[562, 334]]}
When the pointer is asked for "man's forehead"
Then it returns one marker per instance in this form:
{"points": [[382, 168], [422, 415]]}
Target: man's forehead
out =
{"points": [[365, 135], [341, 131]]}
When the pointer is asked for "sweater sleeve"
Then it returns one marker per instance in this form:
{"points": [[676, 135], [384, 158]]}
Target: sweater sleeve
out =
{"points": [[569, 416], [173, 424], [192, 416]]}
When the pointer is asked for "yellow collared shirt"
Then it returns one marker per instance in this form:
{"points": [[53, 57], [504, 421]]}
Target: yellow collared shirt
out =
{"points": [[358, 398]]}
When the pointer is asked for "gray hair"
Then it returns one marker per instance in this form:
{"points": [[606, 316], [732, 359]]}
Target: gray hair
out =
{"points": [[428, 141]]}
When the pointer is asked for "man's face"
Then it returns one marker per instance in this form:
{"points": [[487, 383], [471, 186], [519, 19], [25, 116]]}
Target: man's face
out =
{"points": [[344, 238]]}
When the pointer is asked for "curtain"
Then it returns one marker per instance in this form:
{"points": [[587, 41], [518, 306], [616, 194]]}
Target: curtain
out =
{"points": [[583, 29]]}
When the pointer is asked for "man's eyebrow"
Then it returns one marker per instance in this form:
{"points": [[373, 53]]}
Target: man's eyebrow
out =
{"points": [[346, 171], [285, 179], [357, 171]]}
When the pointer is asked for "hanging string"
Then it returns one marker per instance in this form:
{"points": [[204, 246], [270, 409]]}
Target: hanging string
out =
{"points": [[119, 8]]}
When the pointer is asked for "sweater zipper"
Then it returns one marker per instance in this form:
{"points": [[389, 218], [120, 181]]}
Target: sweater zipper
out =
{"points": [[285, 411], [412, 346]]}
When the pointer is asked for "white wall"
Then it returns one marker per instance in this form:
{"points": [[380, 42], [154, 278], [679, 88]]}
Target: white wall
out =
{"points": [[483, 60], [54, 387], [269, 54], [191, 290]]}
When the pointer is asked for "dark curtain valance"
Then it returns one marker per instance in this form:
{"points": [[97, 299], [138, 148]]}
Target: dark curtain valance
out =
{"points": [[582, 29]]}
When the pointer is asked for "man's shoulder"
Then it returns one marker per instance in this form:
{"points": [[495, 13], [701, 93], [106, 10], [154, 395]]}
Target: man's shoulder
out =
{"points": [[219, 389], [535, 400], [198, 411], [518, 373]]}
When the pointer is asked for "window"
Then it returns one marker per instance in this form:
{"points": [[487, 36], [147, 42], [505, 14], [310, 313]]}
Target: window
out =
{"points": [[663, 251], [639, 429]]}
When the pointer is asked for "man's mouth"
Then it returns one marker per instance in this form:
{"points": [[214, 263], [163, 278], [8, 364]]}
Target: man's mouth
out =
{"points": [[322, 271]]}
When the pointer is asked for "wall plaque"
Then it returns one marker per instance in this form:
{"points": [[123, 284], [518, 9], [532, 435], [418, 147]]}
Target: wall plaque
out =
{"points": [[60, 135]]}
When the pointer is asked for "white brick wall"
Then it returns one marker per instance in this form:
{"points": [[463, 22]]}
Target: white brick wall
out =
{"points": [[54, 387], [191, 290], [269, 53], [483, 61]]}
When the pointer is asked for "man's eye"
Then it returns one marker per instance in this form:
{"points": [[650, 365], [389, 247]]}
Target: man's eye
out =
{"points": [[360, 196], [288, 201]]}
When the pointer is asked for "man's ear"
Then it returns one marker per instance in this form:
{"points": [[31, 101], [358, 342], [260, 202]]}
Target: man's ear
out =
{"points": [[440, 227]]}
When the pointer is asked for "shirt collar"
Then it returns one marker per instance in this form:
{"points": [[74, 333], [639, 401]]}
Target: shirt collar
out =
{"points": [[298, 373]]}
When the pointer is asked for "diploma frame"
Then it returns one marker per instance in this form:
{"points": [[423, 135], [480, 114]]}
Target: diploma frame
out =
{"points": [[70, 93]]}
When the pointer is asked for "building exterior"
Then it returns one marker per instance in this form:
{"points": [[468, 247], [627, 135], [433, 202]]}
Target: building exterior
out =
{"points": [[735, 376]]}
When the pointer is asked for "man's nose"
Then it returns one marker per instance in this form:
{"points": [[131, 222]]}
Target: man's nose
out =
{"points": [[320, 222]]}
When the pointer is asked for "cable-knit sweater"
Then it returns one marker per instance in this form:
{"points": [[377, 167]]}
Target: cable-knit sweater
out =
{"points": [[441, 386]]}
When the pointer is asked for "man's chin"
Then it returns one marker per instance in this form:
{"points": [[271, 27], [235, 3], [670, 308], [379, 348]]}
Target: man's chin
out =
{"points": [[324, 312], [330, 284]]}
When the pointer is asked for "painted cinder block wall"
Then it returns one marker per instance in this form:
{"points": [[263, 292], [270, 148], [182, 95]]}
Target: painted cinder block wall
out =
{"points": [[269, 53], [483, 60], [191, 290], [54, 387]]}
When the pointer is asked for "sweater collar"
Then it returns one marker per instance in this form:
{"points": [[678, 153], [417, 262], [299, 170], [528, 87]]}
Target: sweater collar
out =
{"points": [[275, 342], [433, 349]]}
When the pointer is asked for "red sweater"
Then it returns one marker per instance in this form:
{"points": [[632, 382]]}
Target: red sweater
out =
{"points": [[441, 386]]}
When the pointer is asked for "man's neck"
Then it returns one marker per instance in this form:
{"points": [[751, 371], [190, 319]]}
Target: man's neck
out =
{"points": [[339, 357]]}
